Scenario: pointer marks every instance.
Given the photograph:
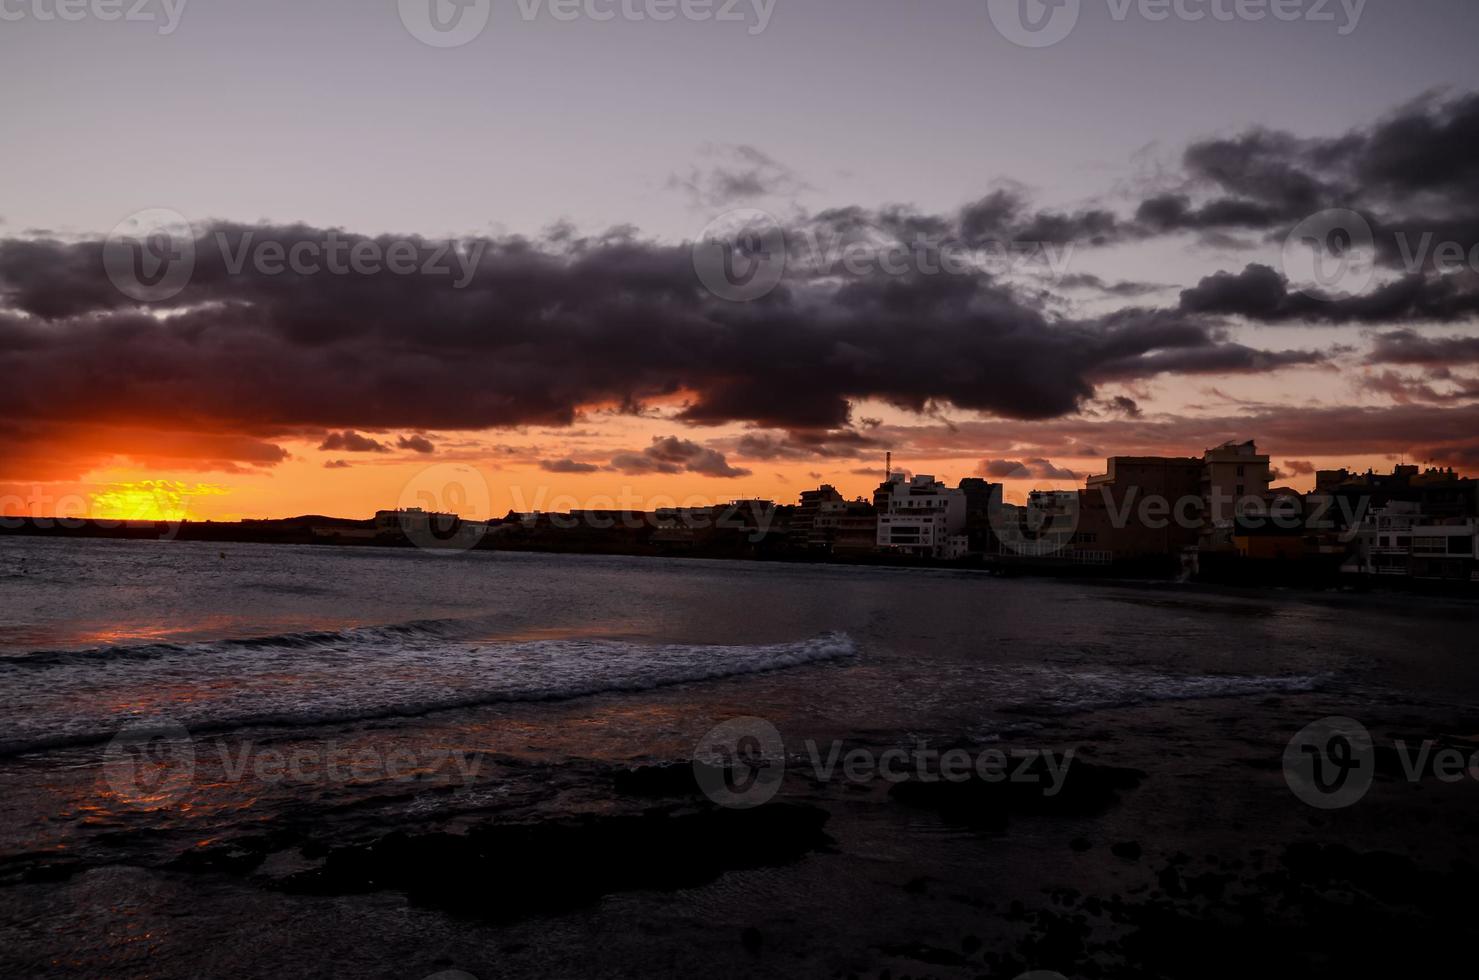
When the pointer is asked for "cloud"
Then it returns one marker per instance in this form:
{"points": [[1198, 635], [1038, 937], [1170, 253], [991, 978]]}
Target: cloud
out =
{"points": [[350, 441], [669, 454], [1411, 347], [1125, 289], [877, 472], [807, 444], [1422, 432], [567, 466], [547, 328], [1035, 468], [1299, 467], [736, 173], [1260, 293], [337, 464], [1414, 171], [538, 333], [415, 443]]}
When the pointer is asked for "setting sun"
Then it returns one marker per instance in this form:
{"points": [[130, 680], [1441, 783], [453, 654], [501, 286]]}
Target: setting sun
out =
{"points": [[148, 500]]}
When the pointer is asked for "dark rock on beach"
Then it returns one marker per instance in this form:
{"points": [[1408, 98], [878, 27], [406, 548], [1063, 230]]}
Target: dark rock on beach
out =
{"points": [[507, 871], [1026, 788]]}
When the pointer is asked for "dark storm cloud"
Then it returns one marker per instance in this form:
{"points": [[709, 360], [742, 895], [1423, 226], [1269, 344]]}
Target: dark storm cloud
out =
{"points": [[1038, 468], [1405, 389], [1425, 432], [1174, 212], [1126, 289], [352, 442], [567, 466], [416, 443], [1262, 293], [1411, 347], [1004, 215], [807, 444], [540, 331], [1413, 172], [669, 454]]}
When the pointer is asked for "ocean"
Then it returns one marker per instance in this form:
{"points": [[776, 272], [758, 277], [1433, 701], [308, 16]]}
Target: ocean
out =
{"points": [[172, 708]]}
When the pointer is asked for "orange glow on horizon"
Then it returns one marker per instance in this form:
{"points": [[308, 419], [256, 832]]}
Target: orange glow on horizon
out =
{"points": [[149, 500]]}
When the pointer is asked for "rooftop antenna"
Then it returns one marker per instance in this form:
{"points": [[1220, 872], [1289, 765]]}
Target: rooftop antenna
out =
{"points": [[888, 466]]}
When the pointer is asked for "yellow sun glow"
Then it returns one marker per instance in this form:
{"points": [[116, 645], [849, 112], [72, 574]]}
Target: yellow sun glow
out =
{"points": [[148, 500]]}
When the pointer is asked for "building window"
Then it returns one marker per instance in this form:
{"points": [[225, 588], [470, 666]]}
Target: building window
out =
{"points": [[1240, 470]]}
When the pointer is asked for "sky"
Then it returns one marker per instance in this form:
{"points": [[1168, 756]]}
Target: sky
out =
{"points": [[1121, 199]]}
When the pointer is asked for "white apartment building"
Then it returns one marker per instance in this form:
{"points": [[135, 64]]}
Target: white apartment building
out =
{"points": [[919, 516], [1395, 540], [1384, 542]]}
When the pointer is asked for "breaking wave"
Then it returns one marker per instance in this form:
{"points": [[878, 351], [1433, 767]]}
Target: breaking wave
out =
{"points": [[62, 698]]}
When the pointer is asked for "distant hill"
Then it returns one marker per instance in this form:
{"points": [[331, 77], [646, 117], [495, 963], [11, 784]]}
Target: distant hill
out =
{"points": [[309, 520]]}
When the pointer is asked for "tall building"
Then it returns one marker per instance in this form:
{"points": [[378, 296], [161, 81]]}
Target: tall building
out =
{"points": [[1235, 480], [919, 516], [1158, 506], [803, 529], [846, 527], [1113, 509]]}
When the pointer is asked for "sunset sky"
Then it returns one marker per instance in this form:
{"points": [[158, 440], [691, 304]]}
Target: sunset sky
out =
{"points": [[1159, 167]]}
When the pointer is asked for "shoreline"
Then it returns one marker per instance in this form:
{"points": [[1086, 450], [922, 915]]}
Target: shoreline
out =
{"points": [[1245, 584]]}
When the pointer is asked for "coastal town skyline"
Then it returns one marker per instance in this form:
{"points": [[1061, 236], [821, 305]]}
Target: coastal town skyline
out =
{"points": [[502, 489]]}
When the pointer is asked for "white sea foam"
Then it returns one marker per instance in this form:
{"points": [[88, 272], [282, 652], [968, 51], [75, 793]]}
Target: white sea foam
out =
{"points": [[76, 697], [1049, 690]]}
